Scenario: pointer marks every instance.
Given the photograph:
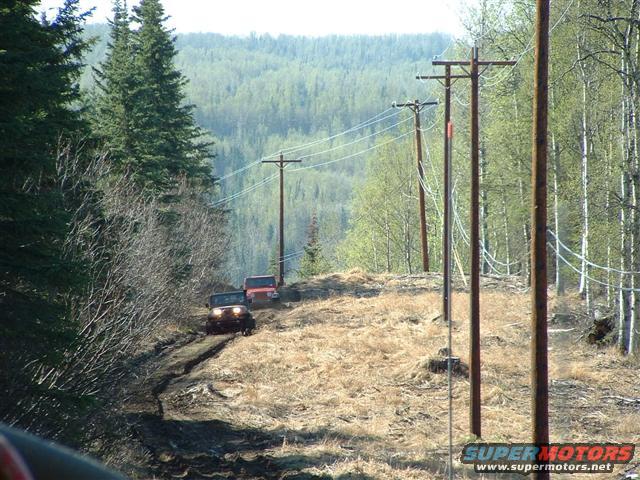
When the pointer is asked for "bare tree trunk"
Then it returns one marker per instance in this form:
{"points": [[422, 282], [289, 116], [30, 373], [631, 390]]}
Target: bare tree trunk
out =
{"points": [[484, 212], [559, 281], [407, 245], [609, 160], [523, 204], [634, 221], [387, 229], [626, 299], [505, 224], [623, 300], [584, 173], [376, 267]]}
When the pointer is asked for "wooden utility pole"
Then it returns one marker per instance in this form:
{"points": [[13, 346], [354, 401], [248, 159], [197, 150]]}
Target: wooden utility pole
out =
{"points": [[447, 292], [417, 106], [539, 345], [446, 81], [281, 163], [474, 222], [471, 68]]}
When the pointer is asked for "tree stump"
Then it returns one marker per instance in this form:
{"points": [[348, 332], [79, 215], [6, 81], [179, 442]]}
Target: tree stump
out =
{"points": [[439, 365]]}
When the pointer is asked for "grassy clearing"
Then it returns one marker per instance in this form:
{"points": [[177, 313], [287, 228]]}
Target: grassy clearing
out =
{"points": [[343, 382]]}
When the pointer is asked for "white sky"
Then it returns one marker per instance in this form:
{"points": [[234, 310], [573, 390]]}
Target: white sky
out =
{"points": [[299, 17]]}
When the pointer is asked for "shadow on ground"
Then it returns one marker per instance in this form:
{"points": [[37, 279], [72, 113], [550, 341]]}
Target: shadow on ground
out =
{"points": [[218, 450]]}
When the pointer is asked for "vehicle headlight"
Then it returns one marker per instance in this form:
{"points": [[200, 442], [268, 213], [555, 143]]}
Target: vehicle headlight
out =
{"points": [[237, 310], [217, 312]]}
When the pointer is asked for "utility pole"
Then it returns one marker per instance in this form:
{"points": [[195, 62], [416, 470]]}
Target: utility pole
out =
{"points": [[447, 292], [471, 68], [539, 340], [417, 106], [474, 307], [281, 163], [446, 81]]}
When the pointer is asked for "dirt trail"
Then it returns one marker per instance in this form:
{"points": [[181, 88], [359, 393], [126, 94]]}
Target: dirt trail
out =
{"points": [[335, 387], [183, 444]]}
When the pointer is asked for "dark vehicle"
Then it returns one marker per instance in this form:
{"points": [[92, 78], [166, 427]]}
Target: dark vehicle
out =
{"points": [[262, 289], [229, 313]]}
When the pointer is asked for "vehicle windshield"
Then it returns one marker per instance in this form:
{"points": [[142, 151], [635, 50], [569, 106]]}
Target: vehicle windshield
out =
{"points": [[260, 282], [222, 299]]}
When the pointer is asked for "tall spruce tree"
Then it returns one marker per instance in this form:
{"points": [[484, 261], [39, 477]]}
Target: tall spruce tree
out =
{"points": [[39, 66], [116, 109], [141, 116], [170, 139], [313, 262]]}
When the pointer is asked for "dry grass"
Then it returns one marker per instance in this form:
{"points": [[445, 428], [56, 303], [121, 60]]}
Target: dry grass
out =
{"points": [[345, 379]]}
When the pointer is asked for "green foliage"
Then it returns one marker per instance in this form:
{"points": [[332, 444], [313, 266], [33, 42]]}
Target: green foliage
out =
{"points": [[260, 94], [141, 115], [383, 235], [39, 67], [313, 261]]}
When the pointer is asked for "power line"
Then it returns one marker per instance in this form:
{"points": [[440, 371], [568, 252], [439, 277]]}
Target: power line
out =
{"points": [[337, 147], [239, 170], [346, 157], [575, 269], [289, 256], [588, 262], [490, 259], [245, 191], [377, 145], [371, 121]]}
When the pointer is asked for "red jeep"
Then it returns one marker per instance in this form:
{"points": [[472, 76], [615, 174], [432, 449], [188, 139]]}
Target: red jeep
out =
{"points": [[261, 289]]}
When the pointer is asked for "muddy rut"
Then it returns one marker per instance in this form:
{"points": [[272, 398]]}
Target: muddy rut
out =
{"points": [[182, 445]]}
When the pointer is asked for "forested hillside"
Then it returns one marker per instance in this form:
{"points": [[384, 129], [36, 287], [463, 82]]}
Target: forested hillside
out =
{"points": [[259, 95]]}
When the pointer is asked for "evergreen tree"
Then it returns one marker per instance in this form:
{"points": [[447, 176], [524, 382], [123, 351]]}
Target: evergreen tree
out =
{"points": [[116, 107], [141, 116], [170, 141], [274, 263], [39, 67], [313, 261]]}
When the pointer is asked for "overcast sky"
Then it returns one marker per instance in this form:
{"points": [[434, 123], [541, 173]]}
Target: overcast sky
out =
{"points": [[299, 17]]}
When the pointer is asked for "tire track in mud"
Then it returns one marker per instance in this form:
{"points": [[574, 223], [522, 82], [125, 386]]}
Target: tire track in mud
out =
{"points": [[189, 365], [179, 445], [145, 411]]}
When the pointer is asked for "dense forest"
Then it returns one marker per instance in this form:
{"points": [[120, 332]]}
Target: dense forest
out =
{"points": [[259, 95]]}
